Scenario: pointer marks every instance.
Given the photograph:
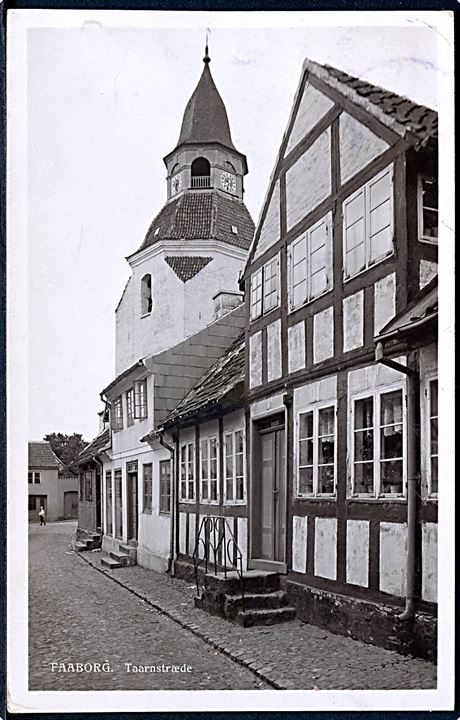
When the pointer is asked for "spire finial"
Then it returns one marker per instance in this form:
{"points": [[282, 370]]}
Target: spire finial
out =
{"points": [[206, 58]]}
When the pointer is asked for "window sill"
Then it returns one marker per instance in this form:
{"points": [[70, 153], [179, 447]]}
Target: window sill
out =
{"points": [[310, 301], [187, 502], [146, 315], [265, 314], [234, 503], [317, 497], [429, 240], [204, 501], [346, 278], [165, 513], [146, 512], [381, 498]]}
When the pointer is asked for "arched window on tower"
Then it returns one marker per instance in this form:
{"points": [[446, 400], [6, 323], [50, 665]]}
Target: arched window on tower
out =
{"points": [[146, 294], [201, 173]]}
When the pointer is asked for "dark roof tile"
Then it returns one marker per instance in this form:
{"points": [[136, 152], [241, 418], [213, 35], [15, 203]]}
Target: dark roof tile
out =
{"points": [[186, 267], [41, 455], [94, 447]]}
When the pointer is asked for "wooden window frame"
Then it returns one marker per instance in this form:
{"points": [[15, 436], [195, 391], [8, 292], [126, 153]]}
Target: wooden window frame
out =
{"points": [[147, 497], [376, 396], [420, 207], [130, 407], [117, 419], [234, 477], [365, 191], [430, 379], [162, 495], [315, 410], [258, 292], [305, 238], [32, 476], [187, 472], [140, 400], [205, 470]]}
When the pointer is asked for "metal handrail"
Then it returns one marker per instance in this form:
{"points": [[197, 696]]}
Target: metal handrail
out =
{"points": [[217, 537]]}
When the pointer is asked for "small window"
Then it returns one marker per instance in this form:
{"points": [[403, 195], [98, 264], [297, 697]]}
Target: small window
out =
{"points": [[208, 470], [187, 473], [157, 230], [34, 478], [368, 224], [427, 199], [265, 288], [433, 437], [130, 407], [146, 292], [140, 400], [147, 488], [165, 487], [117, 420], [108, 502], [234, 230], [378, 445], [310, 264], [316, 460], [234, 467], [89, 485]]}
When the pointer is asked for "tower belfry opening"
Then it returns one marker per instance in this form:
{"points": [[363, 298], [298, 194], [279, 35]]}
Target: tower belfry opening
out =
{"points": [[201, 173]]}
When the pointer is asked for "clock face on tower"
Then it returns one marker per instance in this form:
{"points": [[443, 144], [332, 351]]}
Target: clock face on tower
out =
{"points": [[176, 183], [228, 182]]}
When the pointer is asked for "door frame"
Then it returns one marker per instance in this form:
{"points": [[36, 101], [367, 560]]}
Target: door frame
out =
{"points": [[132, 504], [254, 562]]}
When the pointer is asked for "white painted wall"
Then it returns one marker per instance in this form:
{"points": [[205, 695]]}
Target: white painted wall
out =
{"points": [[358, 552], [353, 321], [323, 335], [296, 347], [255, 359], [427, 271], [384, 301], [393, 551], [326, 547], [270, 230], [430, 562], [274, 350], [299, 543], [308, 181], [313, 106], [358, 146]]}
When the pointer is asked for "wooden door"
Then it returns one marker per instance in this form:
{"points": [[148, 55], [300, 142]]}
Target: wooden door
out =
{"points": [[132, 503], [270, 530]]}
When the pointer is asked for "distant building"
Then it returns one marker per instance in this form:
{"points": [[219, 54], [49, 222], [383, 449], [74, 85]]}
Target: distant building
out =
{"points": [[50, 485]]}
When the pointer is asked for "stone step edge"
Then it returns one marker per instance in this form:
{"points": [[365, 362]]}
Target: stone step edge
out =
{"points": [[191, 627]]}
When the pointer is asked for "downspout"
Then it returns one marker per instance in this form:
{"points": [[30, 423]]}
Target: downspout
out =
{"points": [[170, 566], [412, 477]]}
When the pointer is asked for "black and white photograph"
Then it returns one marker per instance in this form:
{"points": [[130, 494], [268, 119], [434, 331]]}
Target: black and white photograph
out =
{"points": [[224, 381]]}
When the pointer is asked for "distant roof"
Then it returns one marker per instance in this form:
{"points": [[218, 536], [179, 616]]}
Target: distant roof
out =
{"points": [[423, 310], [419, 120], [42, 456], [215, 385], [99, 443], [205, 118], [202, 216]]}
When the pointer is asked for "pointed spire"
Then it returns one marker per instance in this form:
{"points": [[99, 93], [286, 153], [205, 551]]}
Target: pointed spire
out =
{"points": [[206, 58]]}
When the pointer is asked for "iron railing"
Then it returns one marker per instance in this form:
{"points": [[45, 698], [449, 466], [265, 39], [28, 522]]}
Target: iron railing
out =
{"points": [[220, 550], [201, 181]]}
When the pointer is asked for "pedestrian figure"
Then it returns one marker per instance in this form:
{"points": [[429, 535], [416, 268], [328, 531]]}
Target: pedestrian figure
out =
{"points": [[42, 515]]}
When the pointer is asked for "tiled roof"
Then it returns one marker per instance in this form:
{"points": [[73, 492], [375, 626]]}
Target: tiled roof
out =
{"points": [[94, 447], [201, 216], [186, 267], [42, 456], [416, 316], [419, 120], [223, 377]]}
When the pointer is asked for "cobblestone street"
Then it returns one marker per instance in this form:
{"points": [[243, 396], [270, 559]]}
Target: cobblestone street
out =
{"points": [[82, 614]]}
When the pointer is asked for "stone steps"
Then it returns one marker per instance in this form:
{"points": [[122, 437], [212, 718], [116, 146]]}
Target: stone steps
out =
{"points": [[270, 616], [110, 563], [254, 601], [123, 557]]}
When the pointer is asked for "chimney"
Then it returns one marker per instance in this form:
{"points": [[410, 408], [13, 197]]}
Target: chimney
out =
{"points": [[224, 302]]}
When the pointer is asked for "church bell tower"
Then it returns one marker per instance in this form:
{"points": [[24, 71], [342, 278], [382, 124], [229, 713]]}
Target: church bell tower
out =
{"points": [[197, 245]]}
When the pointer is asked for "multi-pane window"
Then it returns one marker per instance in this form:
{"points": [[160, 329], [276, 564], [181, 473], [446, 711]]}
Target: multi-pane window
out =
{"points": [[117, 420], [428, 209], [208, 470], [165, 486], [34, 478], [187, 472], [316, 457], [368, 224], [378, 444], [118, 504], [82, 486], [147, 488], [88, 485], [310, 264], [265, 288], [130, 407], [108, 502], [140, 399], [234, 467], [433, 435]]}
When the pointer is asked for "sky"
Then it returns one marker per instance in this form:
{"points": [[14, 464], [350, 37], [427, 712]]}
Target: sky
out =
{"points": [[104, 106]]}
